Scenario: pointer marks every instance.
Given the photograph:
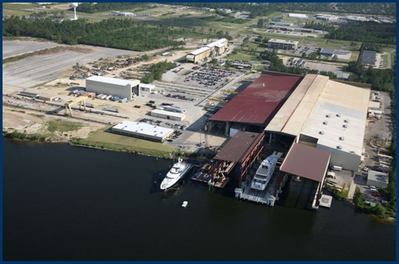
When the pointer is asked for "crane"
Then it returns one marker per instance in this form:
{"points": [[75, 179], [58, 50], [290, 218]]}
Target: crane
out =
{"points": [[81, 99]]}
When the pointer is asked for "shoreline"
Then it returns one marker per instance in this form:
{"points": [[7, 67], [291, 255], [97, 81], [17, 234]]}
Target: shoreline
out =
{"points": [[389, 220]]}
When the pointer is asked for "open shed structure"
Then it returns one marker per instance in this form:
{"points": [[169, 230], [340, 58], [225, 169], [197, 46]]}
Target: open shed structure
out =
{"points": [[237, 156], [310, 165]]}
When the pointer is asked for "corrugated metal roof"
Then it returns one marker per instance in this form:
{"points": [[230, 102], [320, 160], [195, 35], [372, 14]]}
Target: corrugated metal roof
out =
{"points": [[110, 80], [237, 146], [258, 103], [199, 51], [307, 162]]}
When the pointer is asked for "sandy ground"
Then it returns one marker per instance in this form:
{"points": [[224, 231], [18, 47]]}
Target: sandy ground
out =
{"points": [[33, 122]]}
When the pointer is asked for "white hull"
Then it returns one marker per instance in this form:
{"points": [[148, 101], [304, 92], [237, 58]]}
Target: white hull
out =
{"points": [[178, 170], [264, 173]]}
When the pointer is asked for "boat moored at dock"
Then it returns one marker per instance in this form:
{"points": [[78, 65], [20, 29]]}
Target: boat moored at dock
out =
{"points": [[179, 169], [264, 173]]}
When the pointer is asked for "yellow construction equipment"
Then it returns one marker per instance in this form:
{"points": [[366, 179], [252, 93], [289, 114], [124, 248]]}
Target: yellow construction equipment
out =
{"points": [[81, 99], [218, 100], [230, 92]]}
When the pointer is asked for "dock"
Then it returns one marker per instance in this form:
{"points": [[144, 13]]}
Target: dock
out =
{"points": [[268, 196], [325, 201]]}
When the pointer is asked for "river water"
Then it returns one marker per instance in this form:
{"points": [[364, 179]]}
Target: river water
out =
{"points": [[69, 203]]}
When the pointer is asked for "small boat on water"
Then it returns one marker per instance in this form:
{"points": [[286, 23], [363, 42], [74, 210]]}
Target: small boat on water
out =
{"points": [[185, 203], [264, 173], [179, 169]]}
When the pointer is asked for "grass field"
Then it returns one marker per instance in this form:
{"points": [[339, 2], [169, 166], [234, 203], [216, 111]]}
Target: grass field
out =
{"points": [[385, 62], [58, 125], [103, 138], [242, 56]]}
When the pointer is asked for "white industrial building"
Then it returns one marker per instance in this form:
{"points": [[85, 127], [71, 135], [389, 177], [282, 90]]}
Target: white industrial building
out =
{"points": [[147, 87], [143, 130], [112, 86], [296, 15], [377, 179], [214, 48], [168, 115], [327, 114]]}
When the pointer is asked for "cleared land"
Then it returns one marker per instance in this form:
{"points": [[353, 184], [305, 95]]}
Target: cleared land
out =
{"points": [[44, 68], [15, 47], [102, 138]]}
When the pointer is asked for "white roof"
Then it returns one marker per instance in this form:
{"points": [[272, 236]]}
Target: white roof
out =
{"points": [[199, 51], [283, 41], [111, 80], [316, 97], [143, 129], [168, 113], [217, 43], [376, 105], [147, 85], [346, 105], [297, 15]]}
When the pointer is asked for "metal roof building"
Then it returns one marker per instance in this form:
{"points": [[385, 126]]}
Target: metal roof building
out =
{"points": [[112, 86], [307, 162], [369, 57], [330, 114], [258, 103], [239, 154], [143, 130]]}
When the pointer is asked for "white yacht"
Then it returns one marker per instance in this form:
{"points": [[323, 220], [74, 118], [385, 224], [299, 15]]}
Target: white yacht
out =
{"points": [[264, 173], [178, 170]]}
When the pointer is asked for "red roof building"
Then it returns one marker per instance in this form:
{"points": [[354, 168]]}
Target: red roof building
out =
{"points": [[260, 101]]}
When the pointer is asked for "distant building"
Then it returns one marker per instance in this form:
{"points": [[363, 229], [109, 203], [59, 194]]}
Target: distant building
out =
{"points": [[283, 44], [284, 24], [295, 15], [327, 52], [327, 17], [214, 48], [368, 57], [341, 54]]}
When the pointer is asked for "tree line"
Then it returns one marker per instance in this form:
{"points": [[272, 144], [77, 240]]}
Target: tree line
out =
{"points": [[265, 9], [114, 33], [365, 32], [156, 71], [102, 7]]}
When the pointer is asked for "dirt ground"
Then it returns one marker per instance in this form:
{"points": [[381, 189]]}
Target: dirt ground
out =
{"points": [[32, 122]]}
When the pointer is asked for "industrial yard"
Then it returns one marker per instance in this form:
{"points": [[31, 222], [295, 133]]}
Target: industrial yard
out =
{"points": [[202, 96]]}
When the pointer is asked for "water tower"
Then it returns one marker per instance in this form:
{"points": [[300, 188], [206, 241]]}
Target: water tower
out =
{"points": [[74, 6]]}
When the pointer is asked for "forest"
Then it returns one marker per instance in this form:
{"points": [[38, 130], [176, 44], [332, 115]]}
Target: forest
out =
{"points": [[114, 33], [102, 7], [381, 80], [265, 9], [365, 32]]}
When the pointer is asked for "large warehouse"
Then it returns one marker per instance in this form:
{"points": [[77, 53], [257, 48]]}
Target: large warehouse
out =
{"points": [[143, 130], [257, 104], [328, 114], [112, 86], [217, 47]]}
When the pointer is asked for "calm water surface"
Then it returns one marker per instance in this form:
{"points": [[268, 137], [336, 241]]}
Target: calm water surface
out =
{"points": [[67, 203]]}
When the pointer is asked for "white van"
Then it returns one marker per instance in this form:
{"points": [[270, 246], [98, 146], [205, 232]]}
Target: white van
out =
{"points": [[336, 168]]}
